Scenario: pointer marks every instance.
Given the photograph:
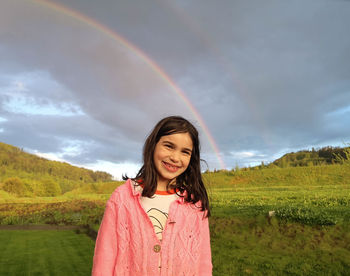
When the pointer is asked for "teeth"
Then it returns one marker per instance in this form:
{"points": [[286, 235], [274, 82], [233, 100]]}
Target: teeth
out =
{"points": [[171, 166]]}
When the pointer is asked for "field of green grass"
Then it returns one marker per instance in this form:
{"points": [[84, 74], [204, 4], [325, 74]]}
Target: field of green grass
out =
{"points": [[260, 246], [40, 252], [317, 195], [309, 233]]}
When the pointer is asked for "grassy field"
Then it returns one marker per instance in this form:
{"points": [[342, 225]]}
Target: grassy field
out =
{"points": [[268, 247], [256, 246], [40, 252], [309, 234], [309, 195]]}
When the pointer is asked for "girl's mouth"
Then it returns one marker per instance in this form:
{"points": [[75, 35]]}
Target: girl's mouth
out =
{"points": [[169, 167]]}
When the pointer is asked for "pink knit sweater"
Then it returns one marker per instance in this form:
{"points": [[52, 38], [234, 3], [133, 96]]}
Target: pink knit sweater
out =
{"points": [[127, 244]]}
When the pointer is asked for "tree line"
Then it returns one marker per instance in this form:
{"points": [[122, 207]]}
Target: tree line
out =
{"points": [[314, 157]]}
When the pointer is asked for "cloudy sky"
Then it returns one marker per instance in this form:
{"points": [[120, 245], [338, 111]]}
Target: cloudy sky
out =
{"points": [[85, 81]]}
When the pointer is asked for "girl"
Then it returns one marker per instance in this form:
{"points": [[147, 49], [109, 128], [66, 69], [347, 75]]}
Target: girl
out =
{"points": [[157, 223]]}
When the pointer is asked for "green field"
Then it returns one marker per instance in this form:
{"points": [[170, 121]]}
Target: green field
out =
{"points": [[318, 195], [309, 233], [268, 247], [41, 252]]}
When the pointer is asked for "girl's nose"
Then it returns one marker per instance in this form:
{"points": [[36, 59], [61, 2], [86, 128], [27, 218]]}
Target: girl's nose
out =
{"points": [[175, 157]]}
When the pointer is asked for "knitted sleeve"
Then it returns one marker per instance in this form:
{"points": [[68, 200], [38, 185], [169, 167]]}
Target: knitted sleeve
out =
{"points": [[205, 265], [106, 243]]}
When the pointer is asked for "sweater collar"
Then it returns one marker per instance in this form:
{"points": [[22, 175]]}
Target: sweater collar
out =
{"points": [[137, 192]]}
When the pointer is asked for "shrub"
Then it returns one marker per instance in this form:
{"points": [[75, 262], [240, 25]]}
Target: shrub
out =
{"points": [[344, 157], [15, 186]]}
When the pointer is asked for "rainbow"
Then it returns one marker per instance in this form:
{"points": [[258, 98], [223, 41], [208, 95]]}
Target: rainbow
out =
{"points": [[192, 25], [154, 66]]}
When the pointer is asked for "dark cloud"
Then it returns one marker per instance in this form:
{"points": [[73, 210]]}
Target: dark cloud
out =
{"points": [[266, 77]]}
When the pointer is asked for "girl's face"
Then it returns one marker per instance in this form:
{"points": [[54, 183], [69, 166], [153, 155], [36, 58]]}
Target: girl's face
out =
{"points": [[172, 156]]}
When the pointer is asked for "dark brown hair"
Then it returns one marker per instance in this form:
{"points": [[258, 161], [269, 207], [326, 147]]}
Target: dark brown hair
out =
{"points": [[191, 179]]}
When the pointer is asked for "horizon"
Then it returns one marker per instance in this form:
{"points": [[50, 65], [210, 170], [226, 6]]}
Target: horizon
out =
{"points": [[117, 174]]}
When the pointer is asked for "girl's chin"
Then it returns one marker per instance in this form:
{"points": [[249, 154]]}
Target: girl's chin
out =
{"points": [[168, 176]]}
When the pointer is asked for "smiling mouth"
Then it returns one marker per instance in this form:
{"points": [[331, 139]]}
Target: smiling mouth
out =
{"points": [[169, 167]]}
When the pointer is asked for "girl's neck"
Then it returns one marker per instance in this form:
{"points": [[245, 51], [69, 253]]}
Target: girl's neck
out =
{"points": [[163, 183], [161, 186]]}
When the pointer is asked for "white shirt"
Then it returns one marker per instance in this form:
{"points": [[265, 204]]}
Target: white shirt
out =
{"points": [[157, 208]]}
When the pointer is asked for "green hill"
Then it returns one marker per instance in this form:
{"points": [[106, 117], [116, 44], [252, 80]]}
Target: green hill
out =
{"points": [[314, 157], [26, 174]]}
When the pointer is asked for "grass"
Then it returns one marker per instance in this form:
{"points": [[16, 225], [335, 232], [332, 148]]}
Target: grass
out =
{"points": [[261, 246], [310, 195], [254, 246], [45, 253], [310, 234]]}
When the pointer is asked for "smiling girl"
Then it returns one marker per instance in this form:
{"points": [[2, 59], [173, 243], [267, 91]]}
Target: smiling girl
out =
{"points": [[157, 222]]}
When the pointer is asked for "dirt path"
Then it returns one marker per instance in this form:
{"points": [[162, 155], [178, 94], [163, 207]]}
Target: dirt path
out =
{"points": [[40, 227]]}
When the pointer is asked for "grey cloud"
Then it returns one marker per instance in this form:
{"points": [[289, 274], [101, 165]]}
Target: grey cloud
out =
{"points": [[265, 77], [52, 133]]}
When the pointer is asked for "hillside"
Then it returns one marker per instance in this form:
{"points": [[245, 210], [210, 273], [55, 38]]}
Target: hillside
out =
{"points": [[37, 171], [24, 174], [314, 157]]}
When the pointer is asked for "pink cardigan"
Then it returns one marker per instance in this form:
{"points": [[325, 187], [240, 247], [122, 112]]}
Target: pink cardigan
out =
{"points": [[127, 244]]}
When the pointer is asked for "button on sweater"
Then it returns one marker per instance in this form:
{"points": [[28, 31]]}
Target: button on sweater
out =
{"points": [[127, 244]]}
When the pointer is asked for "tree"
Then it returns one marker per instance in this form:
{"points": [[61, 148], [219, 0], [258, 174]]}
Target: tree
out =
{"points": [[51, 187]]}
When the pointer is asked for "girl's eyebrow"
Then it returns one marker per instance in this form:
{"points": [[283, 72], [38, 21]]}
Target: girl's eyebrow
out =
{"points": [[168, 142]]}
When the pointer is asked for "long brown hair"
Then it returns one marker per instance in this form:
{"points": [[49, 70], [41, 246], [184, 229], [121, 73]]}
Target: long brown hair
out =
{"points": [[191, 179]]}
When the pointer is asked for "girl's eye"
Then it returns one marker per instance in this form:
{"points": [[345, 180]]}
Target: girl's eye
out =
{"points": [[187, 152], [169, 146]]}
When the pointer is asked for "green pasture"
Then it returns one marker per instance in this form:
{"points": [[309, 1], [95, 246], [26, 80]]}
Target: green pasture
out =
{"points": [[317, 195], [309, 233], [39, 252], [261, 246], [256, 246]]}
